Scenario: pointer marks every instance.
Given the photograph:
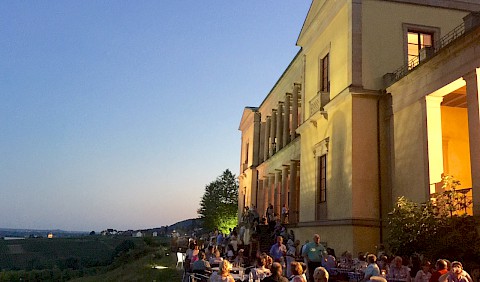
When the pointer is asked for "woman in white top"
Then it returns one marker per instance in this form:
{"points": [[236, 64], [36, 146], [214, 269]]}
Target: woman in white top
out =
{"points": [[261, 271], [424, 274]]}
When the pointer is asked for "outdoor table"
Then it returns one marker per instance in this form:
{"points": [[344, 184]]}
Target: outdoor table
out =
{"points": [[357, 276], [233, 270], [393, 279]]}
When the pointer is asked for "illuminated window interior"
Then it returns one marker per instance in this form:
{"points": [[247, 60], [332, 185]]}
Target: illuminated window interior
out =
{"points": [[416, 41]]}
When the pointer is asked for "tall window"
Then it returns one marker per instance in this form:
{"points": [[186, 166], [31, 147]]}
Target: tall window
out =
{"points": [[325, 74], [322, 179], [417, 40], [321, 195]]}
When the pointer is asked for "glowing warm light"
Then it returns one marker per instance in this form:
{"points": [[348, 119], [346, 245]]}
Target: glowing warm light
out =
{"points": [[159, 267], [50, 236]]}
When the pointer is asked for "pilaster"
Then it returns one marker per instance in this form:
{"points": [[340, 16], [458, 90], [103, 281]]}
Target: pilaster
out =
{"points": [[473, 106], [273, 131], [286, 120], [279, 139], [266, 150]]}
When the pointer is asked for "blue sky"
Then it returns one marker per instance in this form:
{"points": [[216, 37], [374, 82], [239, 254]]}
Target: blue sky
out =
{"points": [[117, 114]]}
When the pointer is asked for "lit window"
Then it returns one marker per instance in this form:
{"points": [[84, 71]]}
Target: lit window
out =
{"points": [[415, 42]]}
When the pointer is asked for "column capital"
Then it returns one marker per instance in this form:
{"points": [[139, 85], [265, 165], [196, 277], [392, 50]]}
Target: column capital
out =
{"points": [[298, 85], [288, 94]]}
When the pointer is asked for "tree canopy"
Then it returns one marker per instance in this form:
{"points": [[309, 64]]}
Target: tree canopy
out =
{"points": [[219, 204]]}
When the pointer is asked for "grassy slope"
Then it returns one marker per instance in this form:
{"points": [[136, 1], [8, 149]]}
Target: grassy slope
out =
{"points": [[140, 270]]}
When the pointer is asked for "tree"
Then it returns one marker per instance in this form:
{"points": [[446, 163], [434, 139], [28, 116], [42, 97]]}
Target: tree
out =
{"points": [[219, 204]]}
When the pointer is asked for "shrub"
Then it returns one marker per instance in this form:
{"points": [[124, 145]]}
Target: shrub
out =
{"points": [[439, 228]]}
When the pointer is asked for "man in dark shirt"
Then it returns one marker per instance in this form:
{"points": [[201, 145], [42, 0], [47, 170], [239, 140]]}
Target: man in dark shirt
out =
{"points": [[276, 274]]}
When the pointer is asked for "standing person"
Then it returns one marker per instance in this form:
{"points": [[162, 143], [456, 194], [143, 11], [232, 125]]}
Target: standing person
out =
{"points": [[313, 254], [441, 269], [284, 215], [276, 274], [278, 250], [291, 255], [372, 268]]}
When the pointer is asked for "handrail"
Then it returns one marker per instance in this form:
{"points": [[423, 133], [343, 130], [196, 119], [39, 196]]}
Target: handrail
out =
{"points": [[448, 38]]}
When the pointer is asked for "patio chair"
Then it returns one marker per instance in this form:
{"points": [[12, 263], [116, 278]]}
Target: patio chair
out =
{"points": [[180, 259]]}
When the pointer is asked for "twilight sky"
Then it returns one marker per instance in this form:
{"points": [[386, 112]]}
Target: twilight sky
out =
{"points": [[116, 114]]}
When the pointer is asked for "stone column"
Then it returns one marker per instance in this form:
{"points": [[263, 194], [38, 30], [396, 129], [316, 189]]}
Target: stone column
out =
{"points": [[267, 139], [256, 138], [293, 192], [273, 131], [271, 188], [261, 152], [266, 194], [434, 136], [260, 199], [278, 182], [296, 91], [279, 135], [473, 107], [254, 189], [285, 186], [286, 120], [241, 203]]}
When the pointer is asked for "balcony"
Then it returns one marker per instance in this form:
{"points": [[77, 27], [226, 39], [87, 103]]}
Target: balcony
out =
{"points": [[470, 22], [318, 102], [244, 166]]}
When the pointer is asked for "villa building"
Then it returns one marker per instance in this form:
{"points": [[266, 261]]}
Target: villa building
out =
{"points": [[381, 101]]}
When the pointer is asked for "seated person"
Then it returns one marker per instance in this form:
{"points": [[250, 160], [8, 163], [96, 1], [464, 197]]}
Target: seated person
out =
{"points": [[201, 266], [216, 260], [320, 274], [240, 259], [277, 272], [223, 273], [262, 271]]}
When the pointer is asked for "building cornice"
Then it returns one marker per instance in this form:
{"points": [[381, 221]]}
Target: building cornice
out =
{"points": [[463, 5], [364, 222]]}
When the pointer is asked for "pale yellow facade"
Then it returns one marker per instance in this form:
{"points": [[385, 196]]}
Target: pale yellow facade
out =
{"points": [[361, 139]]}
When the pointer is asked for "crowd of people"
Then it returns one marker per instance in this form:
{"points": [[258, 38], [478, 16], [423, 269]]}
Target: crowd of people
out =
{"points": [[214, 254]]}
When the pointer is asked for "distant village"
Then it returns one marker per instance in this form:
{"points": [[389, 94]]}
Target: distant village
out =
{"points": [[182, 228]]}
